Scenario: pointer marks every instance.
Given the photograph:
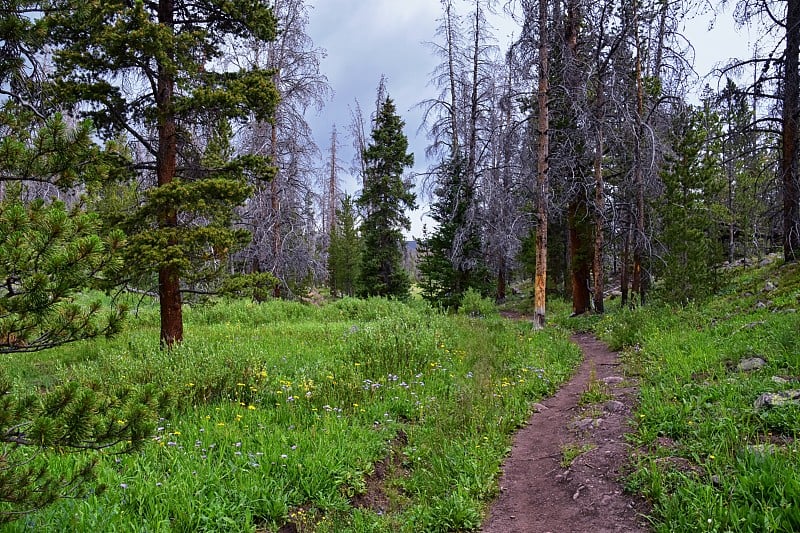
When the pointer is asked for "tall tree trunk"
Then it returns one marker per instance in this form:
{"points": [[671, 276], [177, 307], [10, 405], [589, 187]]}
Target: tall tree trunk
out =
{"points": [[581, 253], [625, 262], [638, 283], [791, 91], [169, 293], [275, 205], [542, 183], [599, 210]]}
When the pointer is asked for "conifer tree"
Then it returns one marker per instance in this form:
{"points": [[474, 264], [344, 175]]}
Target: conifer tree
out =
{"points": [[384, 200], [451, 259], [153, 71], [692, 183], [344, 250]]}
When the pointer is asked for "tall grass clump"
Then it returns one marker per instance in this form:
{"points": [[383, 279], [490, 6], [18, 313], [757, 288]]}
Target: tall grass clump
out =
{"points": [[361, 415]]}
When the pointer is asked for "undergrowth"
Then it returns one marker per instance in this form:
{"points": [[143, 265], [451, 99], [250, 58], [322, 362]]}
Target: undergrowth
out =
{"points": [[705, 456], [279, 414]]}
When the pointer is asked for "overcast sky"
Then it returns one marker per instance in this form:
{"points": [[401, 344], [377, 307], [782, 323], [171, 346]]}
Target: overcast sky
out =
{"points": [[365, 39]]}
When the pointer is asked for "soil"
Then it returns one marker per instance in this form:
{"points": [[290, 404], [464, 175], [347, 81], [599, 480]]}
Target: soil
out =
{"points": [[538, 493]]}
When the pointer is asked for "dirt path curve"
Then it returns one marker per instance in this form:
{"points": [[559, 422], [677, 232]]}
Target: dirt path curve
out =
{"points": [[537, 494]]}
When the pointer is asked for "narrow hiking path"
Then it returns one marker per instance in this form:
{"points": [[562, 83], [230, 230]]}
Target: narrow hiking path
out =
{"points": [[537, 492]]}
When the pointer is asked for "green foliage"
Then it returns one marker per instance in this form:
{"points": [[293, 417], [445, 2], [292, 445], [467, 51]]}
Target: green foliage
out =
{"points": [[180, 118], [345, 251], [384, 200], [474, 305], [47, 256], [37, 429], [689, 209], [451, 257], [708, 459], [280, 424]]}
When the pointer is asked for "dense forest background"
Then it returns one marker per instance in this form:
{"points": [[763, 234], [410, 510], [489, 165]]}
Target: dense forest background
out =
{"points": [[166, 148]]}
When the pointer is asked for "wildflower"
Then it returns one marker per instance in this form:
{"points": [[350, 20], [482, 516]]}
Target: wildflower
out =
{"points": [[190, 384], [240, 384], [284, 456], [123, 485], [251, 407]]}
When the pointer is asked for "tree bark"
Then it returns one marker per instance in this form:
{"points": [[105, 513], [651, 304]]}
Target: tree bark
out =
{"points": [[540, 285], [169, 293], [580, 251], [791, 91], [599, 210], [638, 282]]}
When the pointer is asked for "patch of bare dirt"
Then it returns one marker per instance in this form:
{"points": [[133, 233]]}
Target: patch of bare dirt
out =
{"points": [[380, 494], [538, 492]]}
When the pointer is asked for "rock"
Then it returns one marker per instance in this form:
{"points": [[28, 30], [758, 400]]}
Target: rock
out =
{"points": [[769, 286], [612, 380], [613, 406], [777, 399], [750, 364], [715, 480], [779, 380], [765, 262], [761, 449], [538, 407], [751, 325], [760, 305]]}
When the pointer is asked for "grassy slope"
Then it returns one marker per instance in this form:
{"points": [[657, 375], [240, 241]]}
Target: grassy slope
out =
{"points": [[702, 454], [287, 413]]}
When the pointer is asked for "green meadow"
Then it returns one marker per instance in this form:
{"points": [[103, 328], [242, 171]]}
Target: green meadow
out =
{"points": [[354, 416]]}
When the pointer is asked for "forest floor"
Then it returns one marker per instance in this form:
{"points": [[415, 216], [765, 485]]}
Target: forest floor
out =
{"points": [[562, 475]]}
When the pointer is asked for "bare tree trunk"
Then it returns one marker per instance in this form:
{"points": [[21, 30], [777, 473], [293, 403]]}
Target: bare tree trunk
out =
{"points": [[275, 206], [169, 293], [638, 284], [625, 261], [791, 91], [542, 183], [599, 210]]}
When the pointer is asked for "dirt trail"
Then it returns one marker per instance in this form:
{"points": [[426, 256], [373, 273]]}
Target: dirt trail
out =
{"points": [[537, 494]]}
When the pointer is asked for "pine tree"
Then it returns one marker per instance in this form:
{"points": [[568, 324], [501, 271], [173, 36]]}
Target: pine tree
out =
{"points": [[344, 251], [451, 260], [689, 211], [384, 200], [49, 256], [154, 71]]}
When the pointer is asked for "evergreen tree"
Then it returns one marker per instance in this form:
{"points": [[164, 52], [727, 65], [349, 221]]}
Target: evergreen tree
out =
{"points": [[384, 200], [451, 260], [344, 251], [692, 183], [49, 256], [154, 71]]}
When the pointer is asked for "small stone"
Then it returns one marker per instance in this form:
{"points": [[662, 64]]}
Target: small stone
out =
{"points": [[750, 364], [779, 380], [761, 449], [715, 480], [769, 286], [538, 407], [776, 399], [612, 380], [613, 406], [760, 305]]}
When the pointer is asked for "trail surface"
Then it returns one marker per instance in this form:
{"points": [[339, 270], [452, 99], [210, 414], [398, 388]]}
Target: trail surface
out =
{"points": [[537, 493]]}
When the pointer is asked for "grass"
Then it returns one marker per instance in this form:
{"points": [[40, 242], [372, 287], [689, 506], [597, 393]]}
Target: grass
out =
{"points": [[282, 413], [705, 457], [571, 451]]}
